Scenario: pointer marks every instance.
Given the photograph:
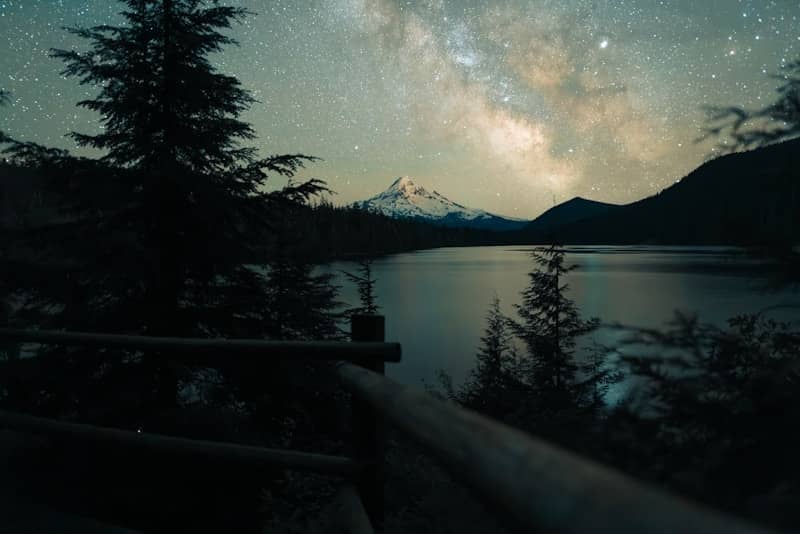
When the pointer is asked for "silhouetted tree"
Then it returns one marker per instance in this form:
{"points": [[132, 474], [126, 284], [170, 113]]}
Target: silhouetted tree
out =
{"points": [[540, 390], [171, 117], [714, 411], [749, 128], [597, 377], [549, 324], [494, 381], [157, 234], [300, 303], [366, 288]]}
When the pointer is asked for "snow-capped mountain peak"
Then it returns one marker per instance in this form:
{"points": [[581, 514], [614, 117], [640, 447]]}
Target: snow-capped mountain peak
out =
{"points": [[406, 187], [407, 199]]}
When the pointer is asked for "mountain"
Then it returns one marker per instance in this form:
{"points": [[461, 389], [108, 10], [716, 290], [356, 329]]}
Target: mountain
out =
{"points": [[405, 199], [743, 198], [568, 212]]}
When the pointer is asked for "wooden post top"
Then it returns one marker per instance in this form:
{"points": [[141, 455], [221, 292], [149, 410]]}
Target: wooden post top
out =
{"points": [[367, 328]]}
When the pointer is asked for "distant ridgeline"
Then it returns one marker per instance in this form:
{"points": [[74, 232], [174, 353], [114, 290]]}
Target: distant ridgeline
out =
{"points": [[744, 198]]}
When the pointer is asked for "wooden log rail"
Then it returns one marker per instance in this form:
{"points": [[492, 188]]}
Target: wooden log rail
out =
{"points": [[228, 453], [193, 349], [361, 499], [531, 485]]}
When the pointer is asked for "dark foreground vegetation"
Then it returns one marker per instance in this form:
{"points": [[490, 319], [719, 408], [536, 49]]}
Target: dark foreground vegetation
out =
{"points": [[173, 232], [707, 412]]}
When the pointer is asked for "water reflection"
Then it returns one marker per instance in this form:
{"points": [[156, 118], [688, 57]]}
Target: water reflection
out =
{"points": [[435, 301]]}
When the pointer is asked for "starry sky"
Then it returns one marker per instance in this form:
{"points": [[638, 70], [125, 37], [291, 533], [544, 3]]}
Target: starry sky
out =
{"points": [[508, 106]]}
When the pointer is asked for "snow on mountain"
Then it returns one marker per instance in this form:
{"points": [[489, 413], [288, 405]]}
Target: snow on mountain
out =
{"points": [[406, 199]]}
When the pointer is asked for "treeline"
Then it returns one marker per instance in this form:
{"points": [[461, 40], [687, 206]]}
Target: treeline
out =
{"points": [[334, 232], [326, 231]]}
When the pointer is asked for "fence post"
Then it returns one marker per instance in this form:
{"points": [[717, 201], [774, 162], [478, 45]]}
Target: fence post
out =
{"points": [[368, 426]]}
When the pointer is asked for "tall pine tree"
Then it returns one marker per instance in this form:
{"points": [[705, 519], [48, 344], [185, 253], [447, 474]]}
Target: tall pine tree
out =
{"points": [[492, 384], [157, 234], [300, 302], [365, 283], [192, 194], [549, 324]]}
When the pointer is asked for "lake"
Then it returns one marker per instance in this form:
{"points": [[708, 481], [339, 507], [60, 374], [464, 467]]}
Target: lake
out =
{"points": [[435, 301]]}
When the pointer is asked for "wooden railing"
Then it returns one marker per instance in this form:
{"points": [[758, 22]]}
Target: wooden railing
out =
{"points": [[529, 484]]}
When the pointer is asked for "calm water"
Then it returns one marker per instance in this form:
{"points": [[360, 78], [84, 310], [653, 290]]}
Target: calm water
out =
{"points": [[435, 301]]}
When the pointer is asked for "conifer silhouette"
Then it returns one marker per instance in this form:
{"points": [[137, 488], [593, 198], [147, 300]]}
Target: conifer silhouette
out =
{"points": [[157, 235]]}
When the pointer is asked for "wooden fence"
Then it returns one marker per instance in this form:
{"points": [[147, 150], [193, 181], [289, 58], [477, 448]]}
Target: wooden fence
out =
{"points": [[531, 485]]}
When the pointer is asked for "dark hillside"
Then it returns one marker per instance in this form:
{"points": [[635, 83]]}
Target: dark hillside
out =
{"points": [[744, 198], [571, 211]]}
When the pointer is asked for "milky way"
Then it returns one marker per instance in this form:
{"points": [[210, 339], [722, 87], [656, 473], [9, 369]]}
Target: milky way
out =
{"points": [[507, 106]]}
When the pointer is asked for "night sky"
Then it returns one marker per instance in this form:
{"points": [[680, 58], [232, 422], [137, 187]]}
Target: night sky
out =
{"points": [[504, 106]]}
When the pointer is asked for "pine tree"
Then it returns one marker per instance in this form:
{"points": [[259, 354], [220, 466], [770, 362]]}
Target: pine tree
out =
{"points": [[366, 288], [301, 304], [715, 411], [777, 121], [194, 194], [597, 378], [491, 383], [158, 233], [549, 324]]}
